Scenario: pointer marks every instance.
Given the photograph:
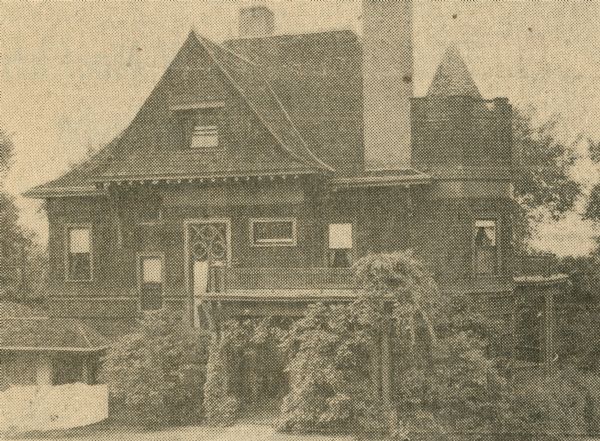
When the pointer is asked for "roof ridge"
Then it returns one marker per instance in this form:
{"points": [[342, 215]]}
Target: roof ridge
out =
{"points": [[295, 34], [205, 42]]}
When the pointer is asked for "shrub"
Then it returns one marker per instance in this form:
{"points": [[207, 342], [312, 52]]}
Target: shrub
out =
{"points": [[240, 353], [566, 402], [220, 402], [156, 374], [330, 387]]}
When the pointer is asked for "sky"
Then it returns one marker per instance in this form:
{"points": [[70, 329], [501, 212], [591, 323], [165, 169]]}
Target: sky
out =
{"points": [[73, 74]]}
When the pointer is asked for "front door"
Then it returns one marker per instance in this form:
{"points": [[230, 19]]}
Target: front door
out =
{"points": [[208, 253]]}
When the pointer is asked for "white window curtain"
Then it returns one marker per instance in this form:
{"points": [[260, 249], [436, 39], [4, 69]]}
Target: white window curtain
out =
{"points": [[340, 236], [152, 270], [79, 241]]}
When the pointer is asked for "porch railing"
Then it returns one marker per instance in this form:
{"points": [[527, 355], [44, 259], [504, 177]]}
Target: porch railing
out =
{"points": [[288, 278], [543, 265]]}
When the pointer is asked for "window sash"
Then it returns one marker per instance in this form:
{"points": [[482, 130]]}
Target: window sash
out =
{"points": [[273, 232], [204, 137], [151, 296], [485, 230], [79, 240], [152, 270], [151, 281], [79, 254], [79, 267]]}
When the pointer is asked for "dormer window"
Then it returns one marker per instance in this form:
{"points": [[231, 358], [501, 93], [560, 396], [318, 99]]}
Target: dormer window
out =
{"points": [[200, 126], [204, 137]]}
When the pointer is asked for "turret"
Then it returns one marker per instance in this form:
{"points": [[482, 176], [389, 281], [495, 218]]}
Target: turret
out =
{"points": [[455, 128]]}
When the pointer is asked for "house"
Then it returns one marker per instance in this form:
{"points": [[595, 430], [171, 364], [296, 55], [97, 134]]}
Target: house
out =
{"points": [[260, 168], [39, 350]]}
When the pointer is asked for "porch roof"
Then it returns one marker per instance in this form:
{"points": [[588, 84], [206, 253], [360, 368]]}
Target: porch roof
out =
{"points": [[382, 178], [25, 329]]}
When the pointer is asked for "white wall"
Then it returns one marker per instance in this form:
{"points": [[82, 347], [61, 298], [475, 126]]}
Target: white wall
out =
{"points": [[41, 408]]}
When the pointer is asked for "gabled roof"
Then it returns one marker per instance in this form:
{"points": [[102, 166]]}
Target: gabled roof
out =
{"points": [[24, 329], [453, 78], [250, 82], [78, 180], [126, 159]]}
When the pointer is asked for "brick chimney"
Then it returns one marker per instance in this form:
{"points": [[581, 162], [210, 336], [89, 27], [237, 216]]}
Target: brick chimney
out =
{"points": [[256, 21], [387, 82]]}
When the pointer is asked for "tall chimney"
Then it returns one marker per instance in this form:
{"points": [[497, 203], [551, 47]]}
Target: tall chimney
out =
{"points": [[387, 82], [256, 21]]}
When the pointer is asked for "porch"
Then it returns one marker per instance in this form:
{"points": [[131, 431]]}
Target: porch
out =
{"points": [[320, 284]]}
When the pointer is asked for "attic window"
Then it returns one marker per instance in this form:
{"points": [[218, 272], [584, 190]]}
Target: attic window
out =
{"points": [[202, 129]]}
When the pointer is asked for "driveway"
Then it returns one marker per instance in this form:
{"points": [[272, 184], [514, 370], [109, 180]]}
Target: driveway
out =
{"points": [[238, 432]]}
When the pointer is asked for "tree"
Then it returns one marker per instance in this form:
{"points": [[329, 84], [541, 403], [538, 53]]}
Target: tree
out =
{"points": [[6, 151], [592, 209], [542, 181], [22, 262]]}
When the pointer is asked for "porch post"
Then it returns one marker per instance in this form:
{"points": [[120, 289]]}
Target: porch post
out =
{"points": [[386, 375]]}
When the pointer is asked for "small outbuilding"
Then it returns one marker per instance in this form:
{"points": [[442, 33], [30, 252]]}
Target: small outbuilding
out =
{"points": [[36, 349]]}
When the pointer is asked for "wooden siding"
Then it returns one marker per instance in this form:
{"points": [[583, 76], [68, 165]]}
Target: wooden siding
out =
{"points": [[384, 220]]}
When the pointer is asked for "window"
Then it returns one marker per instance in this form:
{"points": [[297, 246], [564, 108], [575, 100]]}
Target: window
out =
{"points": [[151, 282], [273, 232], [79, 256], [202, 130], [485, 246], [340, 245]]}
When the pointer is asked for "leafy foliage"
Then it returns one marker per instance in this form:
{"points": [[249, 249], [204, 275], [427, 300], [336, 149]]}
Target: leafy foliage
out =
{"points": [[23, 264], [443, 380], [330, 385], [592, 208], [542, 179], [442, 373], [565, 402], [229, 367], [6, 151], [156, 374]]}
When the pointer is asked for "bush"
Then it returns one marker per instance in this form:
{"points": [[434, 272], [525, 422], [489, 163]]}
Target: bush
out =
{"points": [[220, 402], [240, 353], [330, 387], [156, 374]]}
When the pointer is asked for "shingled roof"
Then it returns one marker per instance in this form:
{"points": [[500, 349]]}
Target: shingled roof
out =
{"points": [[123, 160], [305, 89], [453, 78], [25, 329]]}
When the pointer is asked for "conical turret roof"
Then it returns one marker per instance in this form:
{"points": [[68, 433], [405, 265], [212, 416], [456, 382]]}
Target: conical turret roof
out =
{"points": [[453, 78]]}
